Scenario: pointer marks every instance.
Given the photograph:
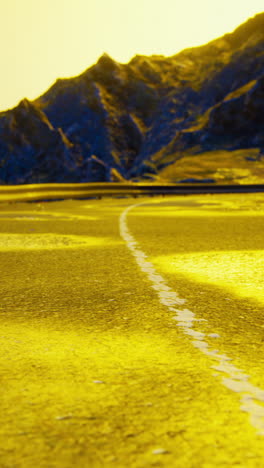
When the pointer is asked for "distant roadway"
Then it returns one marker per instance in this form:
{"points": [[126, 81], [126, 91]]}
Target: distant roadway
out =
{"points": [[56, 191], [132, 332]]}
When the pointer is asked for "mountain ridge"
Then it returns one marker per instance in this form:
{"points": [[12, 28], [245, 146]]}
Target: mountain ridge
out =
{"points": [[134, 121]]}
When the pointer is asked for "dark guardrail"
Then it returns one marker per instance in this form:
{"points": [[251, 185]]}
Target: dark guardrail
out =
{"points": [[38, 192]]}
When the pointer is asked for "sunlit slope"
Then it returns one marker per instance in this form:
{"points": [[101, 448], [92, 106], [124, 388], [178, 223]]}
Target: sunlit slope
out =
{"points": [[222, 166], [129, 121], [95, 372]]}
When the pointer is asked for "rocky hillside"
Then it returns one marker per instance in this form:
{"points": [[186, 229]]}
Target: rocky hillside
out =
{"points": [[142, 119]]}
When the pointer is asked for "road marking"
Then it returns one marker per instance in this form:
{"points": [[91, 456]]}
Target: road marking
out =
{"points": [[233, 378]]}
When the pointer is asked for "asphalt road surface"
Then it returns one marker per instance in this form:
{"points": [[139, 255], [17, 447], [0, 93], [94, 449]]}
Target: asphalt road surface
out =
{"points": [[132, 333]]}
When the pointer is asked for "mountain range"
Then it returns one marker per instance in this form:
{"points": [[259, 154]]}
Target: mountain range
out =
{"points": [[197, 116]]}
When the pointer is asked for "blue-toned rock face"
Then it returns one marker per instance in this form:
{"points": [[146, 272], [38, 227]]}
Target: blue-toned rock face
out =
{"points": [[131, 120]]}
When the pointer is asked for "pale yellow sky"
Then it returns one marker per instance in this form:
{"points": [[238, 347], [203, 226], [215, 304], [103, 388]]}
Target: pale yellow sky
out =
{"points": [[42, 40]]}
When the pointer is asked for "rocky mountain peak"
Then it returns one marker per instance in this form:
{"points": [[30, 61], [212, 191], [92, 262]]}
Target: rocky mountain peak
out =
{"points": [[135, 121], [107, 62]]}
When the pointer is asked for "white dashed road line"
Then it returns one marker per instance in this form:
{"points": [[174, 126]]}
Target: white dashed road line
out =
{"points": [[251, 397]]}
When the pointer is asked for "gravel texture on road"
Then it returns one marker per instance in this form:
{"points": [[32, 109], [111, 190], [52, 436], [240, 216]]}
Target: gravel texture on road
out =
{"points": [[95, 372]]}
